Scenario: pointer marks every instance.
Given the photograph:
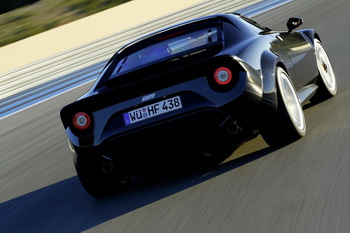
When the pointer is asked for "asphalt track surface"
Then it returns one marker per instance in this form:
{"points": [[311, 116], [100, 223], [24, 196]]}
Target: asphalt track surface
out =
{"points": [[302, 187]]}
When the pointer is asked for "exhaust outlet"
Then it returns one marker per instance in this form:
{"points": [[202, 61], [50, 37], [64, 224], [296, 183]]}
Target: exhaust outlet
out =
{"points": [[233, 128], [107, 167]]}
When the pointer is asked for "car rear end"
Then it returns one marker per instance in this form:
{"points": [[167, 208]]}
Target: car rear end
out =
{"points": [[175, 89]]}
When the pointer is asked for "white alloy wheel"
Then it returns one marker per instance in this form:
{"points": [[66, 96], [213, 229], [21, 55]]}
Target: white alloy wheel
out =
{"points": [[291, 101], [325, 68], [288, 124]]}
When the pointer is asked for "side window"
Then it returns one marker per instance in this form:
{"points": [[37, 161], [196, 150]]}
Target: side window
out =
{"points": [[256, 26]]}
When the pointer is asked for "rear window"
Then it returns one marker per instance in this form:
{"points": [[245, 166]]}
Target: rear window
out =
{"points": [[180, 42]]}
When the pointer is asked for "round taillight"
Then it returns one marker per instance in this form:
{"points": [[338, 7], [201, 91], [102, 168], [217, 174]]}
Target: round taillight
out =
{"points": [[81, 120], [223, 76]]}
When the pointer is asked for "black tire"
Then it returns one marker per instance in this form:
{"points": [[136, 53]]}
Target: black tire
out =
{"points": [[98, 183], [289, 123], [326, 81]]}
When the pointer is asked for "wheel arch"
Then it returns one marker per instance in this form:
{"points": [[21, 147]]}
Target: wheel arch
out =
{"points": [[269, 62], [317, 36], [311, 34], [280, 64]]}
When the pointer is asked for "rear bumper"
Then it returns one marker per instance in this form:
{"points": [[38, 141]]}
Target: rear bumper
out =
{"points": [[181, 129], [203, 130]]}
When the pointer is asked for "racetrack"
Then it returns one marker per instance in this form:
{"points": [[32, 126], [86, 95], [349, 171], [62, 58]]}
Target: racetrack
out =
{"points": [[302, 187]]}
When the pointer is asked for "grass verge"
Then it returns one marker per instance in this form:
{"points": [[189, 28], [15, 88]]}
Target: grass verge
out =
{"points": [[47, 14]]}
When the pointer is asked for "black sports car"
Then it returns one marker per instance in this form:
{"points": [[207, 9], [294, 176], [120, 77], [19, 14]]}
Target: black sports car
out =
{"points": [[203, 85]]}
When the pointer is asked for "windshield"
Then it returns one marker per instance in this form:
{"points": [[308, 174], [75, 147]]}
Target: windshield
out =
{"points": [[167, 48]]}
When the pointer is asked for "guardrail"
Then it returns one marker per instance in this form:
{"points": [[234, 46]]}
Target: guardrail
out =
{"points": [[41, 80]]}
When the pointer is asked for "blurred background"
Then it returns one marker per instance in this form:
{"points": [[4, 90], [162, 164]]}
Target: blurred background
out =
{"points": [[23, 18]]}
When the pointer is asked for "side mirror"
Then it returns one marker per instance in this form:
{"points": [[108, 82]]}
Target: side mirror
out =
{"points": [[293, 23]]}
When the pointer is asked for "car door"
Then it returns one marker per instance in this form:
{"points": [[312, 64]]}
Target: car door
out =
{"points": [[301, 54]]}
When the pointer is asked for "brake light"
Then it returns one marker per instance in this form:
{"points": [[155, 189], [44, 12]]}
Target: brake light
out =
{"points": [[171, 35], [81, 120], [223, 76]]}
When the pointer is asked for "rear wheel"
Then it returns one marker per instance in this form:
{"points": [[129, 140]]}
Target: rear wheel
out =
{"points": [[327, 85], [99, 182], [289, 123]]}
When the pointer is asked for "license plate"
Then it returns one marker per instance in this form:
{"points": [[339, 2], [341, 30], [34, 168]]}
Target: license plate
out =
{"points": [[152, 110]]}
